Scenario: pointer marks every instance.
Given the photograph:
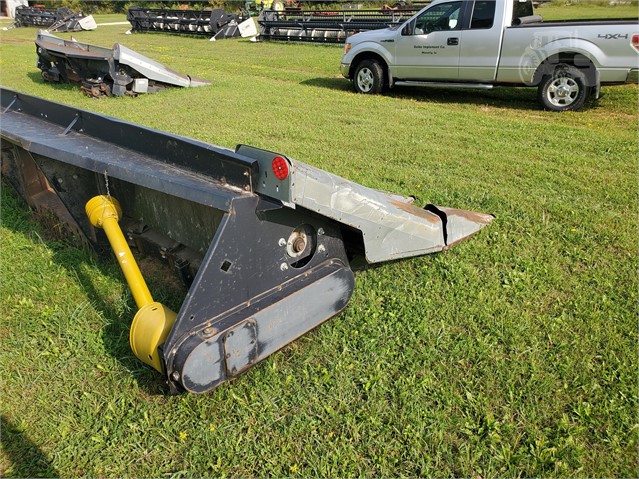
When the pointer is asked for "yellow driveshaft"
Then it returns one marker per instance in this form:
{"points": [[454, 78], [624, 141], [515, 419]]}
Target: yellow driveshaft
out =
{"points": [[153, 321]]}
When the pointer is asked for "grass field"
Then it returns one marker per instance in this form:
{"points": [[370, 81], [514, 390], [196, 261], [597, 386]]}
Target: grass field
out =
{"points": [[512, 354]]}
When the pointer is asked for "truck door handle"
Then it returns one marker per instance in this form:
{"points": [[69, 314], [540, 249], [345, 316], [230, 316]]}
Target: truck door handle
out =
{"points": [[453, 41]]}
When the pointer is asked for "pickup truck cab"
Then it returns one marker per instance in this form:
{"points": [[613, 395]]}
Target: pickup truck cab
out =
{"points": [[483, 43]]}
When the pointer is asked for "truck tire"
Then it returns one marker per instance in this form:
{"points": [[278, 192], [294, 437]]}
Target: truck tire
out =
{"points": [[566, 88], [369, 77]]}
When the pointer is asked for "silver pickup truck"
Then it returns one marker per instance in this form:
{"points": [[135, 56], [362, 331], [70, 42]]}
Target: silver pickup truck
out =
{"points": [[484, 43]]}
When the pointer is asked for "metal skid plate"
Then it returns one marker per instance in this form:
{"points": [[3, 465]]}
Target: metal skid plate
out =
{"points": [[251, 296]]}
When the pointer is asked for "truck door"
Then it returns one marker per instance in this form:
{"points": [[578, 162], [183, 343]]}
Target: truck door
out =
{"points": [[428, 47], [480, 41]]}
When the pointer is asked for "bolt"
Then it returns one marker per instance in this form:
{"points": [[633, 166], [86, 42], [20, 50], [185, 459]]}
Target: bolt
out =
{"points": [[282, 242], [208, 331], [320, 231], [321, 249], [299, 244], [175, 376], [283, 267]]}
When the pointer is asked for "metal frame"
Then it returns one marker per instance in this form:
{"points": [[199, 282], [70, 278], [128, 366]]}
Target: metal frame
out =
{"points": [[211, 23], [266, 259]]}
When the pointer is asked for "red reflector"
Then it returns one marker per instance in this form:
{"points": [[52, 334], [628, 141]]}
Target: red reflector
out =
{"points": [[635, 41], [280, 168]]}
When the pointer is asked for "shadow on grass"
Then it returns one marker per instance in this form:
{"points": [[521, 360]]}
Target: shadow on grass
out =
{"points": [[115, 333], [329, 83], [26, 458], [72, 257], [513, 98], [36, 77]]}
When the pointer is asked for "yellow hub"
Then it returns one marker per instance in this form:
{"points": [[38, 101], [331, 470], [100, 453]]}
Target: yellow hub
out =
{"points": [[153, 321], [150, 327], [100, 208]]}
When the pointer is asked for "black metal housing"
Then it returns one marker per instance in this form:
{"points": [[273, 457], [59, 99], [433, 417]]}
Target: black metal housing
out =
{"points": [[194, 205]]}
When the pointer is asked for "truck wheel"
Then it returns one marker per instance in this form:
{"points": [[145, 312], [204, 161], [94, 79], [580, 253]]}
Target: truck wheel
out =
{"points": [[565, 89], [369, 77]]}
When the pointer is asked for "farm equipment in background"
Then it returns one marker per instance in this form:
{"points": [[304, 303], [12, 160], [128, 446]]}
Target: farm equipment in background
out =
{"points": [[263, 241], [328, 26], [53, 19], [102, 71], [215, 23], [278, 20], [255, 6]]}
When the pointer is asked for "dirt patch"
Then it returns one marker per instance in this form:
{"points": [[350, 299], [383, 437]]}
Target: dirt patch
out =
{"points": [[16, 41]]}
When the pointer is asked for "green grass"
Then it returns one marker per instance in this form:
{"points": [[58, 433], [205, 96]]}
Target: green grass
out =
{"points": [[558, 10], [513, 354]]}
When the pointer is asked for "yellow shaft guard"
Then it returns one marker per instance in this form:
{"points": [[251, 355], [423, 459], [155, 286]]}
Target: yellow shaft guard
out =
{"points": [[150, 327], [153, 321], [104, 212]]}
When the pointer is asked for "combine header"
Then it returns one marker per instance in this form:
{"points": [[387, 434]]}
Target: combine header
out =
{"points": [[263, 241], [52, 19], [104, 71], [210, 23], [327, 26]]}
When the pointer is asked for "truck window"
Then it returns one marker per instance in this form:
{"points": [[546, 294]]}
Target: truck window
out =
{"points": [[444, 16], [522, 8], [483, 15]]}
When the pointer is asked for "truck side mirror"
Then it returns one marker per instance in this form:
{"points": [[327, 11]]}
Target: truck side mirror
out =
{"points": [[408, 28]]}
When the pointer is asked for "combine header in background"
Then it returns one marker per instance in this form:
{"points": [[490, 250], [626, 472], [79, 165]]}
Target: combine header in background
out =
{"points": [[262, 240], [104, 71], [216, 23], [52, 19], [327, 26]]}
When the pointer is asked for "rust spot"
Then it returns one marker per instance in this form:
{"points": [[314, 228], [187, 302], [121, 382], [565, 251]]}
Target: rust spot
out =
{"points": [[473, 216], [30, 183], [416, 211]]}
